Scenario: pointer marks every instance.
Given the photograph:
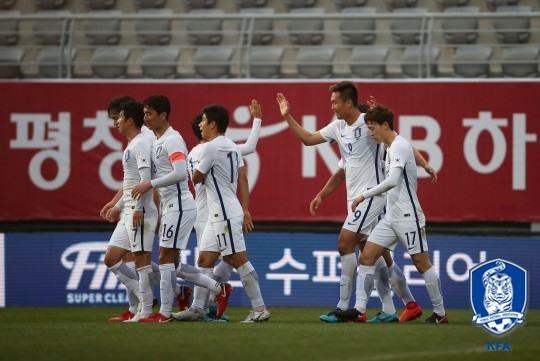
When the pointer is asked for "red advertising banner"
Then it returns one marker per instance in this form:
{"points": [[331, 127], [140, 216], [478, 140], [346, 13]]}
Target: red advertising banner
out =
{"points": [[64, 157]]}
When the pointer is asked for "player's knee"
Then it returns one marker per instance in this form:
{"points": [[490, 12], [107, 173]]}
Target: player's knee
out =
{"points": [[205, 262], [345, 247], [110, 261], [422, 266], [236, 260], [367, 258]]}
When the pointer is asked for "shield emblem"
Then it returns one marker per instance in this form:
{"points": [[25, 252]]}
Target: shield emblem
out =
{"points": [[499, 295]]}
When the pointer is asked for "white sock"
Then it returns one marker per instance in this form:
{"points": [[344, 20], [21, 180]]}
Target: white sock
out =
{"points": [[433, 285], [128, 279], [222, 272], [166, 286], [200, 294], [133, 299], [250, 281], [383, 287], [364, 286], [398, 282], [349, 263], [156, 276], [145, 286], [193, 275]]}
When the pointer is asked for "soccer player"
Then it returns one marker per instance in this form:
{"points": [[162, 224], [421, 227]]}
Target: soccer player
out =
{"points": [[140, 216], [178, 210], [404, 220], [223, 172], [363, 160], [206, 260]]}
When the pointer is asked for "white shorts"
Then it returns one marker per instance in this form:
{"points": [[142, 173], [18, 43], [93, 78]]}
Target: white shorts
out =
{"points": [[366, 215], [229, 236], [176, 227], [141, 238], [120, 237], [208, 241], [199, 229], [135, 239], [411, 234]]}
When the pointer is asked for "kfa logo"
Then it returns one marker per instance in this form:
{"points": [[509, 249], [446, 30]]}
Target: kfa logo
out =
{"points": [[499, 294]]}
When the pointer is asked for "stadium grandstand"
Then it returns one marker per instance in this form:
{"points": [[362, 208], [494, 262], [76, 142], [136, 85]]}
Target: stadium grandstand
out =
{"points": [[280, 39]]}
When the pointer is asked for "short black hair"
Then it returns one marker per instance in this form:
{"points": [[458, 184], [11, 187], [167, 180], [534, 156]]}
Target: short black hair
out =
{"points": [[117, 102], [219, 114], [380, 114], [134, 110], [160, 103], [347, 91]]}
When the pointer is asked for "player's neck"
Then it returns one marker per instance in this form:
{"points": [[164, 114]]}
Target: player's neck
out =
{"points": [[132, 134], [214, 136], [352, 118], [390, 139], [162, 129]]}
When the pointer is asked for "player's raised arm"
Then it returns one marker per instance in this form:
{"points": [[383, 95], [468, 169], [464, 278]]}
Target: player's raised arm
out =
{"points": [[251, 143], [307, 137]]}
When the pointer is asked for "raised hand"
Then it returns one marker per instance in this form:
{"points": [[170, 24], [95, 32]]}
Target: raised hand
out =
{"points": [[284, 106], [255, 109]]}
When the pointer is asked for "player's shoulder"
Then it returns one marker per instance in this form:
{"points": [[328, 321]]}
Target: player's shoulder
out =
{"points": [[172, 136], [196, 151], [172, 133], [141, 141], [335, 124], [211, 146], [223, 141], [402, 141], [400, 144], [197, 148]]}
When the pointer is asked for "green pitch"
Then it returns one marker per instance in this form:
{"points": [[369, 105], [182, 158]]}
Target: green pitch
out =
{"points": [[77, 333]]}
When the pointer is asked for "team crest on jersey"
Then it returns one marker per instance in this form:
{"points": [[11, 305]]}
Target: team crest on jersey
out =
{"points": [[127, 155], [159, 150], [499, 295], [357, 133]]}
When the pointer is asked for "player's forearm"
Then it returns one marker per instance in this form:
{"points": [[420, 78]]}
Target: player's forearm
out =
{"points": [[329, 188], [389, 183], [304, 135], [251, 143], [178, 174], [243, 189], [420, 160], [117, 196], [145, 174], [333, 183]]}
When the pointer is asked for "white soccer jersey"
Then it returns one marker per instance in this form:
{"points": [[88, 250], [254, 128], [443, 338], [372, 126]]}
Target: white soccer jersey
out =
{"points": [[220, 160], [402, 201], [362, 156], [194, 158], [137, 155], [169, 143]]}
